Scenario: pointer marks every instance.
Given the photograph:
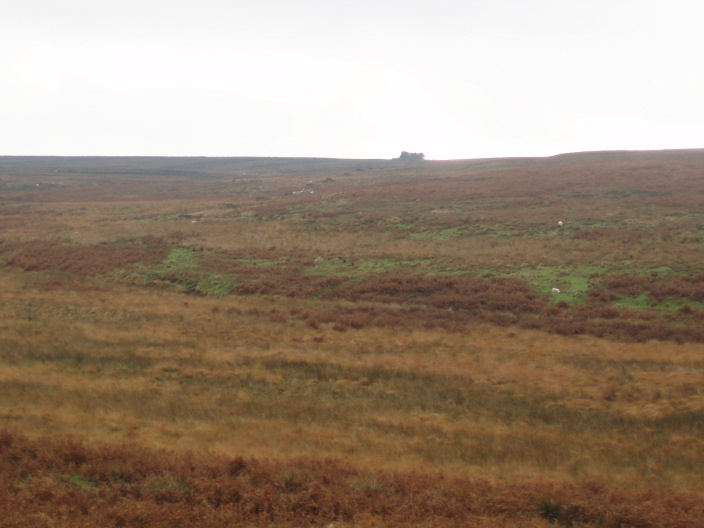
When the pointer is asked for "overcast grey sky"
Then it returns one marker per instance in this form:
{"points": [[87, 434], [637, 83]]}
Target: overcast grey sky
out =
{"points": [[359, 79]]}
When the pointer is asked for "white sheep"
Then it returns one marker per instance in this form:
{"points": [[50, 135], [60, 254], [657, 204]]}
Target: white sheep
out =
{"points": [[560, 223], [555, 290]]}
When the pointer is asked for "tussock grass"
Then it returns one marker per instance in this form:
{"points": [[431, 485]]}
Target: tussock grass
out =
{"points": [[479, 400]]}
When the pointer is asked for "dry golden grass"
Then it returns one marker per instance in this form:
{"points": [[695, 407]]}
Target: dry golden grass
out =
{"points": [[150, 367]]}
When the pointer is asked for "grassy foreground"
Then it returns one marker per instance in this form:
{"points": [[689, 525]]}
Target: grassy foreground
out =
{"points": [[290, 343], [61, 483]]}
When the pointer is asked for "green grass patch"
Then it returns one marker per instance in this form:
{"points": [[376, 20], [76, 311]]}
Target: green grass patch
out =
{"points": [[638, 303], [215, 285], [644, 301], [573, 283], [180, 259], [180, 271], [661, 271], [83, 482]]}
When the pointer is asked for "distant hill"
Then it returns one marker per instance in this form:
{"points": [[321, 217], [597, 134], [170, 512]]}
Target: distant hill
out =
{"points": [[181, 165], [259, 166]]}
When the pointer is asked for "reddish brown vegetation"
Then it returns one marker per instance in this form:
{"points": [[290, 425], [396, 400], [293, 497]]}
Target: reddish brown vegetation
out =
{"points": [[659, 288], [473, 294], [62, 483], [619, 324], [432, 300], [403, 299], [80, 260]]}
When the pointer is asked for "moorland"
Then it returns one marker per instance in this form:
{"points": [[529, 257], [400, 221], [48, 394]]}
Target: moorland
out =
{"points": [[319, 342]]}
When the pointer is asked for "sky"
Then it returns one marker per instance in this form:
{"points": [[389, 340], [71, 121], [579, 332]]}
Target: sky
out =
{"points": [[350, 79]]}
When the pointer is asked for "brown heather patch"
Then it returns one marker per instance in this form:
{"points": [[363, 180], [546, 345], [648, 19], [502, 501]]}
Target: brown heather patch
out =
{"points": [[68, 484], [80, 260], [659, 288]]}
